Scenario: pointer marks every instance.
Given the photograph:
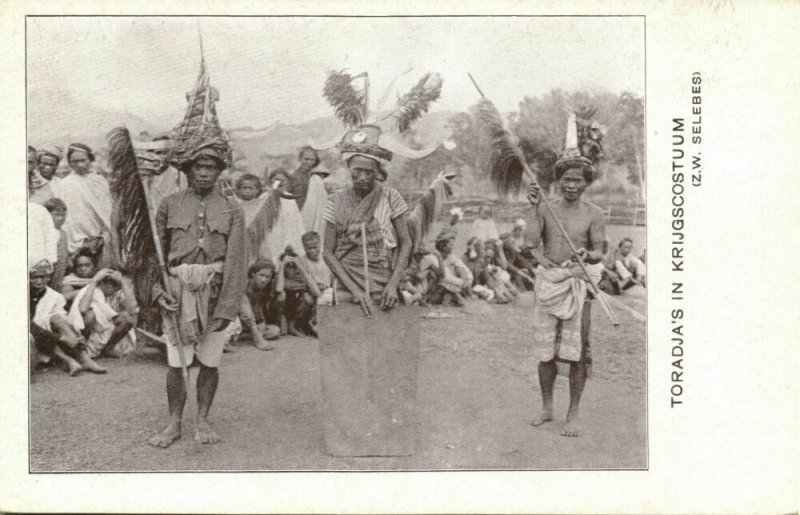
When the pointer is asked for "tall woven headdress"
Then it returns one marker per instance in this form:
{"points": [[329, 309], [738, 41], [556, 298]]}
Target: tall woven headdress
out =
{"points": [[200, 129]]}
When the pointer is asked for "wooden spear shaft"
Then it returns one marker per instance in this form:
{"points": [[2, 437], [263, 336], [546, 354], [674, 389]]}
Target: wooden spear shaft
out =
{"points": [[366, 263], [177, 337], [532, 178]]}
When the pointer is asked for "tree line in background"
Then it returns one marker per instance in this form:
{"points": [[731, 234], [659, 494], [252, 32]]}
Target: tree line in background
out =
{"points": [[539, 125]]}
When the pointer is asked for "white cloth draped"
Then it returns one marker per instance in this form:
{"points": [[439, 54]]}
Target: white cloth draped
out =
{"points": [[287, 230], [42, 235], [88, 201], [316, 201], [104, 312], [51, 304]]}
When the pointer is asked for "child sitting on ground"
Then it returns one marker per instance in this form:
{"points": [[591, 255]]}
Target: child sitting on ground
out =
{"points": [[497, 278], [305, 280], [261, 310], [455, 280]]}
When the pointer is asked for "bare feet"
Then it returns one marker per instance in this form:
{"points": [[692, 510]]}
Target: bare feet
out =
{"points": [[293, 330], [73, 367], [205, 434], [89, 364], [571, 428], [543, 417], [165, 438], [261, 344]]}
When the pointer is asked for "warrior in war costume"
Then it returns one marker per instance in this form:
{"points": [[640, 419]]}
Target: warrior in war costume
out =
{"points": [[203, 238], [369, 342], [202, 243], [562, 311]]}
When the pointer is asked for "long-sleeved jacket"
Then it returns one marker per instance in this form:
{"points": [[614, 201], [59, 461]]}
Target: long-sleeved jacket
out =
{"points": [[205, 230]]}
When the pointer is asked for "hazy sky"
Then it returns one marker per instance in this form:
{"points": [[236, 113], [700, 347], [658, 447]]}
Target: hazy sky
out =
{"points": [[273, 69]]}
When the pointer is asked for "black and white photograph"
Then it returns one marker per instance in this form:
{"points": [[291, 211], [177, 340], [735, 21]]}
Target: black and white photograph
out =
{"points": [[336, 243], [378, 257]]}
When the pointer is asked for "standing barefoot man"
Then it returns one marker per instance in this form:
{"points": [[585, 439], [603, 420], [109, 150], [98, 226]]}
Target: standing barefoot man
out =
{"points": [[203, 236], [562, 309]]}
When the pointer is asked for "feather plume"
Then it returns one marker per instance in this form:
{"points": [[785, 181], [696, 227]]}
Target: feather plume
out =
{"points": [[416, 102], [262, 223], [349, 103], [136, 245], [506, 163], [427, 210]]}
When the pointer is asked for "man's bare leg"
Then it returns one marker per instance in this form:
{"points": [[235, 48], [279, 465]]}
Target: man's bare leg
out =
{"points": [[176, 398], [207, 381], [547, 379], [73, 367], [121, 328], [87, 363], [577, 382]]}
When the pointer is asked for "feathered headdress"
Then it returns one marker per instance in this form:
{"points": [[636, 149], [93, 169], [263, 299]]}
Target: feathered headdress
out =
{"points": [[200, 127], [416, 102], [361, 137], [349, 97]]}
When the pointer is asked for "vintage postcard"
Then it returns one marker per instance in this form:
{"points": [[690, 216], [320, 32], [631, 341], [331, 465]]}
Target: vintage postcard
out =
{"points": [[347, 257]]}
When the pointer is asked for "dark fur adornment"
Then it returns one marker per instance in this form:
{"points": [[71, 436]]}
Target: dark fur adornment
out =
{"points": [[505, 161], [136, 245]]}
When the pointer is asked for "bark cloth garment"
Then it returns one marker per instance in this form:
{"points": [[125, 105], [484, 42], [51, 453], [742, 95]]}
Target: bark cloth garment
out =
{"points": [[558, 314]]}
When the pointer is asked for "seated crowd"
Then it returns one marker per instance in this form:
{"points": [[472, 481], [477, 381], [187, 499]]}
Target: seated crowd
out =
{"points": [[82, 307]]}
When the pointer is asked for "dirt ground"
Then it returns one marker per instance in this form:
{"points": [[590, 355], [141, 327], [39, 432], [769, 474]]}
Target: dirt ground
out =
{"points": [[477, 393]]}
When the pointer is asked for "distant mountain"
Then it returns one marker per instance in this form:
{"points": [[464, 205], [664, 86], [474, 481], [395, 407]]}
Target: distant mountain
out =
{"points": [[55, 116], [258, 147]]}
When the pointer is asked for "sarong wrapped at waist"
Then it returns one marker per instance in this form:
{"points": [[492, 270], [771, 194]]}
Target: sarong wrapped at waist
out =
{"points": [[196, 291]]}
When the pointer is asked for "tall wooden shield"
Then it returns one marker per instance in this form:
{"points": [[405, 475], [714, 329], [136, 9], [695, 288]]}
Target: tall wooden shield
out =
{"points": [[369, 379]]}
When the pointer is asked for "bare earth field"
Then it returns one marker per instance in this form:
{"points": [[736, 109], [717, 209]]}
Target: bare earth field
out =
{"points": [[477, 393]]}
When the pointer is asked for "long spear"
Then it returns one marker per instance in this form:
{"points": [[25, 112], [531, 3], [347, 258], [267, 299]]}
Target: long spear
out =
{"points": [[133, 189], [504, 183]]}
